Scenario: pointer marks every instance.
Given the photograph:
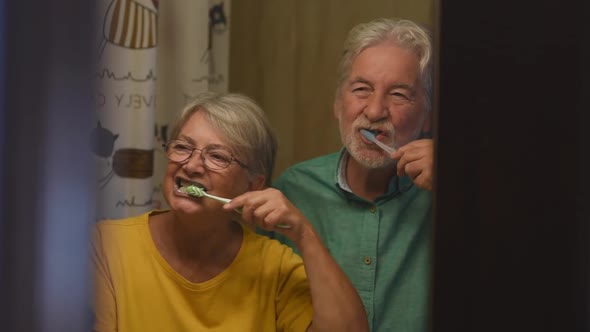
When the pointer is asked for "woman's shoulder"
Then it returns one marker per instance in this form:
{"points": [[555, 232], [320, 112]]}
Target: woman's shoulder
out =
{"points": [[119, 225], [124, 230], [268, 248], [128, 222]]}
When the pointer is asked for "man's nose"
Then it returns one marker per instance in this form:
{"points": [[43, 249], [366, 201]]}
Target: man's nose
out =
{"points": [[376, 108]]}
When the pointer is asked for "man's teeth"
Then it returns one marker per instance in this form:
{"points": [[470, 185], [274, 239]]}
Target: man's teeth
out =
{"points": [[182, 190]]}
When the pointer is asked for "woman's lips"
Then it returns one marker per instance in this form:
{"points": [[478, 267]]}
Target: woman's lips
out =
{"points": [[180, 182]]}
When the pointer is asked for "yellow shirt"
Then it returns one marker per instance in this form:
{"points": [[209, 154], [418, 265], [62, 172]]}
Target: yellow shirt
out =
{"points": [[264, 289]]}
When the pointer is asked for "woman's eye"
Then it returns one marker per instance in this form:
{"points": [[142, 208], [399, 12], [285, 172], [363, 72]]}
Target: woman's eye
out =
{"points": [[219, 156], [181, 147]]}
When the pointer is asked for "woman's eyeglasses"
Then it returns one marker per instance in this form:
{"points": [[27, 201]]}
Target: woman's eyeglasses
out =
{"points": [[214, 157]]}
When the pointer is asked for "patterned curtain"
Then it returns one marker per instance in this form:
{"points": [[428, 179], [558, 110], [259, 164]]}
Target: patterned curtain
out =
{"points": [[193, 56], [152, 58]]}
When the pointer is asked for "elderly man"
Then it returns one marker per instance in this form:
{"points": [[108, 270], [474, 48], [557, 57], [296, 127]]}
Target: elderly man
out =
{"points": [[372, 208]]}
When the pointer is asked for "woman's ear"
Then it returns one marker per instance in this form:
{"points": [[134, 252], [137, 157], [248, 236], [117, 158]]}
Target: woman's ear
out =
{"points": [[258, 182]]}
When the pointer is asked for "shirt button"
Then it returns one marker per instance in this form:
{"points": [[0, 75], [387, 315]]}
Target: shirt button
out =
{"points": [[367, 260], [373, 209]]}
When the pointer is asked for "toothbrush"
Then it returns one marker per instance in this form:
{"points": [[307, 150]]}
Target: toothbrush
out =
{"points": [[371, 137], [200, 192]]}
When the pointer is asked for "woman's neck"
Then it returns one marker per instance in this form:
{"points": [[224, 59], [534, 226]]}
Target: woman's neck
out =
{"points": [[197, 248]]}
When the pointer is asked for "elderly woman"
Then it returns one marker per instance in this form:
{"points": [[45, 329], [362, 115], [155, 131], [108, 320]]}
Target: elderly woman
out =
{"points": [[199, 266]]}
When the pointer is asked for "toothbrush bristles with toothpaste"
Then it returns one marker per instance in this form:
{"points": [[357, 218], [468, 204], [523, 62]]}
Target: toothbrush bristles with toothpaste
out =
{"points": [[371, 137], [197, 191]]}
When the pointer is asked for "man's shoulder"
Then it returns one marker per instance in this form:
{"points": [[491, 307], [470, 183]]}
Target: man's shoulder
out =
{"points": [[320, 160], [319, 167]]}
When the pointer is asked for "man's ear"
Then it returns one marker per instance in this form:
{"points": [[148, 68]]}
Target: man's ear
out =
{"points": [[427, 124], [337, 106], [258, 182]]}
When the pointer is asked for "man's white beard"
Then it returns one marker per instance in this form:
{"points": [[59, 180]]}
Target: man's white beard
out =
{"points": [[373, 157], [370, 158]]}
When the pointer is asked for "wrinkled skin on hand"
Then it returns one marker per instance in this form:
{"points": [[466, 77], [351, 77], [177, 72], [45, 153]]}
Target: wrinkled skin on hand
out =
{"points": [[416, 160], [267, 209]]}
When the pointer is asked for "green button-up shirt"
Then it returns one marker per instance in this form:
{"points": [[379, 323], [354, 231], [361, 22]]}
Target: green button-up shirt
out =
{"points": [[383, 246]]}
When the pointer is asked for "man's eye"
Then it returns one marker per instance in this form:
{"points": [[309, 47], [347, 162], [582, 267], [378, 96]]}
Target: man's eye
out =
{"points": [[399, 95], [361, 91]]}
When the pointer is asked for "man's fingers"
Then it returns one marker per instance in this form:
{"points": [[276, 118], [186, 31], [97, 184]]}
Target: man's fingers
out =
{"points": [[423, 181]]}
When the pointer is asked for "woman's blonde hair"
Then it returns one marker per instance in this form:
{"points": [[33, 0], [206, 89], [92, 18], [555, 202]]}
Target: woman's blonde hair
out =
{"points": [[242, 122]]}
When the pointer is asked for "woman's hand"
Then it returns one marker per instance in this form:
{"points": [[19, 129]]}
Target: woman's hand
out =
{"points": [[269, 208]]}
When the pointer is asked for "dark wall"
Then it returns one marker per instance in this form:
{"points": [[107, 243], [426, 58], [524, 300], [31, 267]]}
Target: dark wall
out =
{"points": [[284, 54], [46, 178], [511, 234]]}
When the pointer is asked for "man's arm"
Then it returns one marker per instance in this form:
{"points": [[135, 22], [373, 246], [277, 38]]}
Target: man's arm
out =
{"points": [[337, 306]]}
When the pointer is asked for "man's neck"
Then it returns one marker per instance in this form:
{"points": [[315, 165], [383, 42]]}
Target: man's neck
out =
{"points": [[368, 183]]}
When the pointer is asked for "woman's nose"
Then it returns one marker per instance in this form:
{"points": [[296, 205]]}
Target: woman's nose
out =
{"points": [[195, 164]]}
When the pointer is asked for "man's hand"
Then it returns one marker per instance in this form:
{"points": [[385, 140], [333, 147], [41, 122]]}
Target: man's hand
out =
{"points": [[416, 160]]}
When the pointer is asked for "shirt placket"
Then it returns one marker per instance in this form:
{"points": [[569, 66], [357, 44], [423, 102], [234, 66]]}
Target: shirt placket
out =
{"points": [[367, 259]]}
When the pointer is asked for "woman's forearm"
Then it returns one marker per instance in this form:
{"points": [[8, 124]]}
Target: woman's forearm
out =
{"points": [[336, 303]]}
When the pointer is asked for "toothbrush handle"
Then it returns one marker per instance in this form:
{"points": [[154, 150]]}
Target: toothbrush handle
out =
{"points": [[239, 210], [217, 198], [387, 148]]}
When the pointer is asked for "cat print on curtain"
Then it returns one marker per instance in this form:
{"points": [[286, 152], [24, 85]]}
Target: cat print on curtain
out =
{"points": [[126, 77], [193, 56]]}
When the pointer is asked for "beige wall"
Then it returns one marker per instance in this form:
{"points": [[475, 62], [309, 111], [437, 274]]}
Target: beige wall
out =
{"points": [[284, 54]]}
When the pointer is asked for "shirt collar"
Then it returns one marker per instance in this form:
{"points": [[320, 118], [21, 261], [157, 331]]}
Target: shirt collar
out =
{"points": [[341, 170], [396, 184]]}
